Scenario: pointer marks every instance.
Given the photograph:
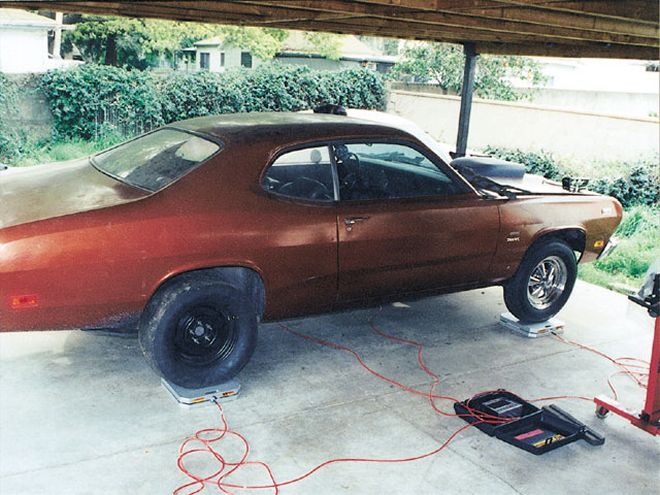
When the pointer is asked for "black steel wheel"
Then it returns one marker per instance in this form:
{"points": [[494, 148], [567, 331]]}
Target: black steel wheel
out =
{"points": [[197, 332], [204, 334]]}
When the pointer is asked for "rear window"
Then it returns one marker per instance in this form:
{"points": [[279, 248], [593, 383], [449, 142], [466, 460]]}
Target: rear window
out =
{"points": [[155, 160]]}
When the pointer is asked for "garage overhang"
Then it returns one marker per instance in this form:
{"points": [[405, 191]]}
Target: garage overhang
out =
{"points": [[594, 28], [559, 28]]}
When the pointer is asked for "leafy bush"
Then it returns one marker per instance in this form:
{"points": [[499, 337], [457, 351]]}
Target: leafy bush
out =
{"points": [[66, 149], [638, 220], [89, 101], [9, 137], [541, 163], [636, 183], [282, 88], [354, 88], [638, 234], [187, 95], [640, 185]]}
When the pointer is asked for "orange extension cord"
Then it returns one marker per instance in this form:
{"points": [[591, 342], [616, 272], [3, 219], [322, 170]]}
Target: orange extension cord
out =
{"points": [[202, 442]]}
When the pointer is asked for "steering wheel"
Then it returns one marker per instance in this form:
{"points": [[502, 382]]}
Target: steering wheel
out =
{"points": [[307, 188], [351, 179]]}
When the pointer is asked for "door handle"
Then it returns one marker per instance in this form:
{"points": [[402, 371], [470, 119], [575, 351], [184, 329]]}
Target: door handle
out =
{"points": [[350, 221]]}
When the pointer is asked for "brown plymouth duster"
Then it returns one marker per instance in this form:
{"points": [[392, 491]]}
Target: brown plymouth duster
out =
{"points": [[196, 231]]}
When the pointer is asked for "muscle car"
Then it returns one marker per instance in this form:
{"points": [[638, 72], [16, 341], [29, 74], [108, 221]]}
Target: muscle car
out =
{"points": [[196, 231]]}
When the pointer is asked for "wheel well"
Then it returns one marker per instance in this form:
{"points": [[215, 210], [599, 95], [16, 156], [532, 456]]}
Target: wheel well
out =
{"points": [[245, 279], [575, 238]]}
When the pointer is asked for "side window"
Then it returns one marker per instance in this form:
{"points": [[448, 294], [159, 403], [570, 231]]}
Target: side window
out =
{"points": [[304, 174], [388, 171]]}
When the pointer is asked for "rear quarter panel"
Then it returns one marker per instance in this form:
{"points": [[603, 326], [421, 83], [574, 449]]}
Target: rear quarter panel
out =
{"points": [[99, 268]]}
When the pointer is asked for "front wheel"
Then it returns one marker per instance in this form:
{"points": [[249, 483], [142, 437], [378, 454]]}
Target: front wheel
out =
{"points": [[543, 282], [198, 332]]}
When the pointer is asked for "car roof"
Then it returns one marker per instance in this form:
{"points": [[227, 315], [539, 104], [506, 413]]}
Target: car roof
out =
{"points": [[227, 125], [306, 124]]}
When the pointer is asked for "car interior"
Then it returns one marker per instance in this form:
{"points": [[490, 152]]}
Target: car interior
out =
{"points": [[365, 171]]}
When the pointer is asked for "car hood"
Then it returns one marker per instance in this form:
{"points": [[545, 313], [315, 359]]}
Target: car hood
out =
{"points": [[53, 190]]}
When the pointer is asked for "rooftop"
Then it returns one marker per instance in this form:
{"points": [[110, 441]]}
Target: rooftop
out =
{"points": [[350, 47], [23, 18]]}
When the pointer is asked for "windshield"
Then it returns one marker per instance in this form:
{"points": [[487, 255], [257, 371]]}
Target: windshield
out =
{"points": [[155, 160]]}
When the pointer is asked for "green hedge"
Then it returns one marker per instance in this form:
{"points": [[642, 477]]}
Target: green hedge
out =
{"points": [[636, 183], [9, 137], [541, 163], [90, 100], [269, 87]]}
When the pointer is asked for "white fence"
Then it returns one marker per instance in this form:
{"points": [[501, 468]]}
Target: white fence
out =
{"points": [[567, 134]]}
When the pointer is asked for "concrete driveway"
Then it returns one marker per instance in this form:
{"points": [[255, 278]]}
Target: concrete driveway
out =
{"points": [[83, 414]]}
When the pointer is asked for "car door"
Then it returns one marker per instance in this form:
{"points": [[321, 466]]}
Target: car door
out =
{"points": [[299, 249], [406, 223]]}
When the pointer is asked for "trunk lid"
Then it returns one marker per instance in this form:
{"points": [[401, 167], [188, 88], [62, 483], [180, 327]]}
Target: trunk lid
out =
{"points": [[53, 190]]}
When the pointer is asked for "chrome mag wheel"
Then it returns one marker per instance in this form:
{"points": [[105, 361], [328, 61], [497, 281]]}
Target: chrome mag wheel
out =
{"points": [[547, 282]]}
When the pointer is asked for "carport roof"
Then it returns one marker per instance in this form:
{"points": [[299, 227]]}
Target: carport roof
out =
{"points": [[594, 28]]}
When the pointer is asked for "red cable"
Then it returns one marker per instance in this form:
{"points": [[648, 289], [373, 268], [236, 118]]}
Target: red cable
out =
{"points": [[219, 477], [638, 377]]}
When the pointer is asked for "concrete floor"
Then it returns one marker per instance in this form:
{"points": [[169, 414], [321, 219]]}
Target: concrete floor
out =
{"points": [[82, 413]]}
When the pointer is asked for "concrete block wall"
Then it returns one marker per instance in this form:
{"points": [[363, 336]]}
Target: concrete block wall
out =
{"points": [[567, 134]]}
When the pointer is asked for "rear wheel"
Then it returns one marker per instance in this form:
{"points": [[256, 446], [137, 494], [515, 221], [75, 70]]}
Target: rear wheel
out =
{"points": [[543, 282], [197, 332]]}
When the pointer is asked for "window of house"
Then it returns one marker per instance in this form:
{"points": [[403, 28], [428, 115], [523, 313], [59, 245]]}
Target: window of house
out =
{"points": [[305, 174], [246, 60], [204, 60], [222, 59], [389, 171]]}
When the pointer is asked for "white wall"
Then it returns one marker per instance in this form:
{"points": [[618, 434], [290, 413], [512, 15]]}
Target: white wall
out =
{"points": [[23, 50], [568, 134], [615, 103], [232, 58]]}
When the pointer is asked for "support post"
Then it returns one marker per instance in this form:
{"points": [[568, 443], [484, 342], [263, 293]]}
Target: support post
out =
{"points": [[466, 98], [57, 41]]}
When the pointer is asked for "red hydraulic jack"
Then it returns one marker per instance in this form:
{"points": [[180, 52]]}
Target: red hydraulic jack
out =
{"points": [[649, 418]]}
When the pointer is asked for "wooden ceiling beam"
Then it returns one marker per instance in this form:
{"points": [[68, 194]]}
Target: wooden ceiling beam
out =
{"points": [[468, 23], [640, 10], [553, 50], [634, 10], [515, 11], [479, 21]]}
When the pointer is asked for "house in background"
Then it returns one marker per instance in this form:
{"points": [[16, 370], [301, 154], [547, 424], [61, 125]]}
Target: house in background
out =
{"points": [[24, 39], [214, 55]]}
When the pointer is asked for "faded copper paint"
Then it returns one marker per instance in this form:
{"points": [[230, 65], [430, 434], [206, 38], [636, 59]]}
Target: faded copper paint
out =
{"points": [[94, 250]]}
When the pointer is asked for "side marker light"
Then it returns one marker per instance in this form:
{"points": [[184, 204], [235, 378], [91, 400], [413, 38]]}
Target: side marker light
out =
{"points": [[25, 301]]}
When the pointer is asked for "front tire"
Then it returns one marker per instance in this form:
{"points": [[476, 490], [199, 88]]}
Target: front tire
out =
{"points": [[197, 332], [543, 282]]}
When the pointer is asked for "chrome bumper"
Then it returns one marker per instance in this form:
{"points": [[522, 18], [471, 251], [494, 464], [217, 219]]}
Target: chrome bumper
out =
{"points": [[609, 247]]}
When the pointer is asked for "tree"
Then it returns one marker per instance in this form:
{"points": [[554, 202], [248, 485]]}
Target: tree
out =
{"points": [[442, 64], [327, 45], [141, 43]]}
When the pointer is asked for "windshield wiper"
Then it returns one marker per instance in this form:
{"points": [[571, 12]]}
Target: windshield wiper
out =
{"points": [[485, 183]]}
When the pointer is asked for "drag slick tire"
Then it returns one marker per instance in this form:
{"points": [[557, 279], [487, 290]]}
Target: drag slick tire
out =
{"points": [[543, 282], [196, 331]]}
